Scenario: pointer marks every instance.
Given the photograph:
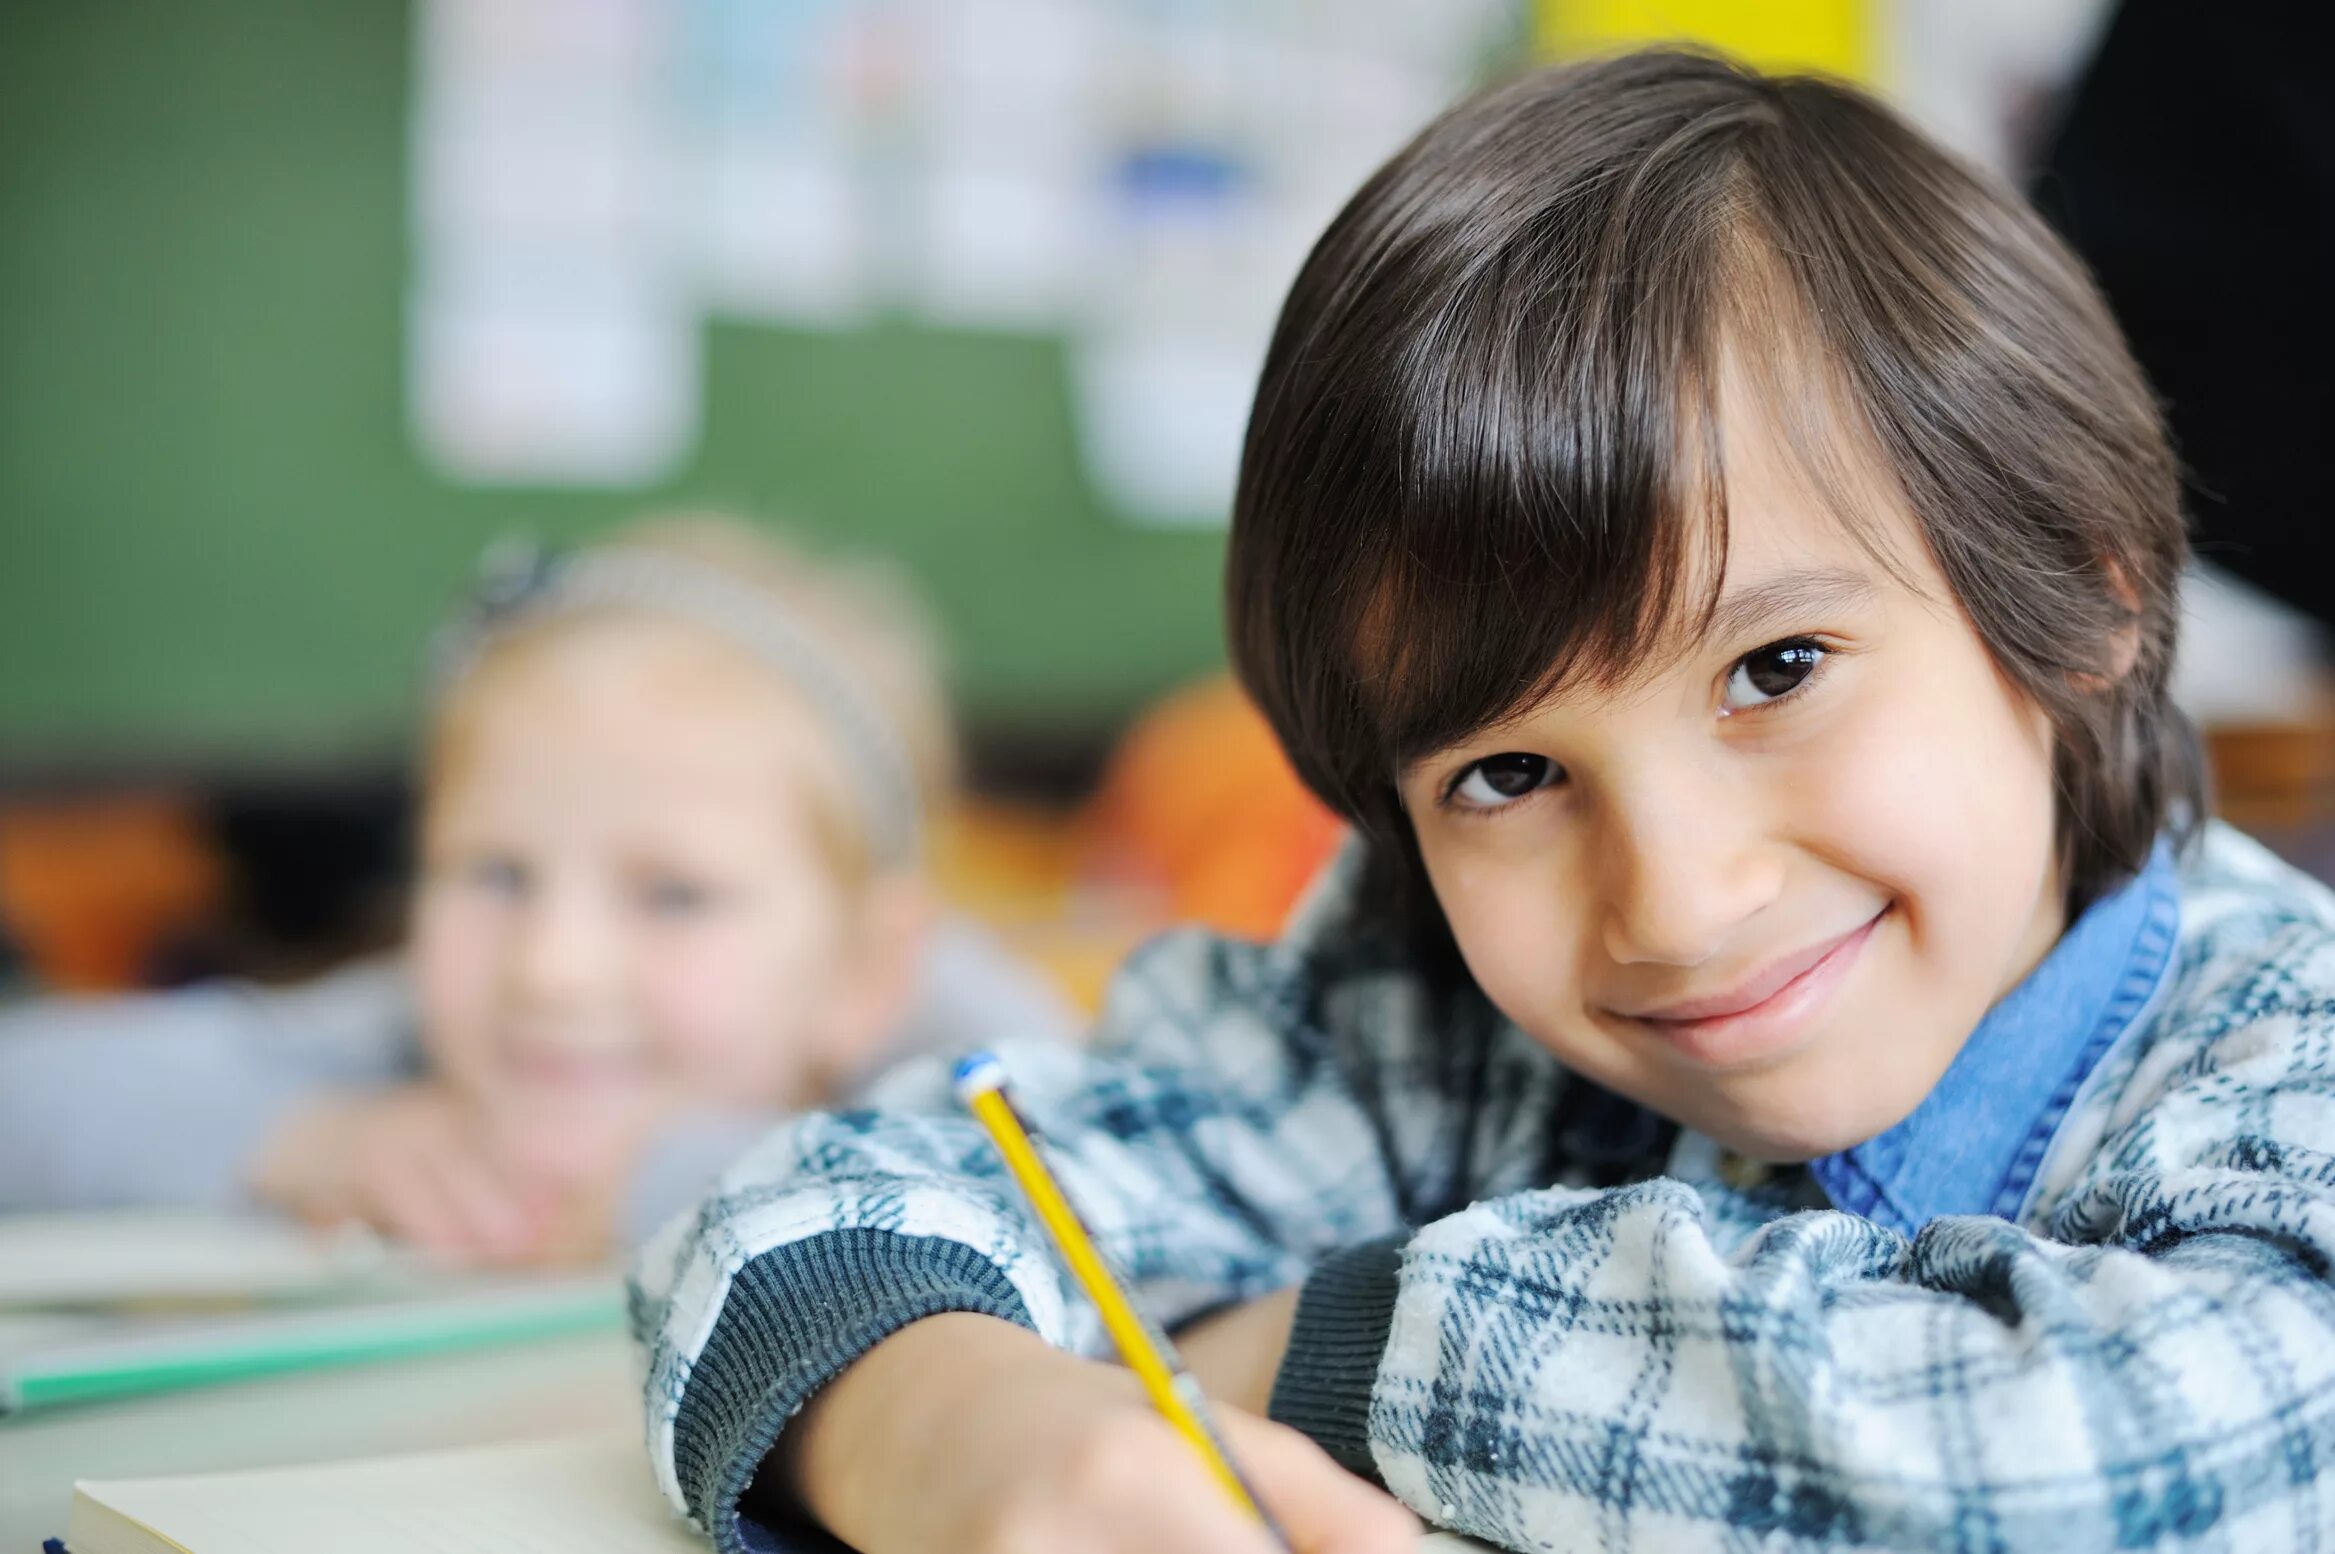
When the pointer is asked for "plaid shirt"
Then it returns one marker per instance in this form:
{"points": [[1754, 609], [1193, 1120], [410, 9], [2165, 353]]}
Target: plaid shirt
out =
{"points": [[1545, 1318]]}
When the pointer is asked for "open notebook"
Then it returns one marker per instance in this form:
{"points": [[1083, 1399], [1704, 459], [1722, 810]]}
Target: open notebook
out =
{"points": [[104, 1305], [582, 1495], [51, 1358], [183, 1255]]}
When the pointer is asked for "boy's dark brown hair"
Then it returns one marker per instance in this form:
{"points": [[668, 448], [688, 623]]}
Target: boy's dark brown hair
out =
{"points": [[1484, 456]]}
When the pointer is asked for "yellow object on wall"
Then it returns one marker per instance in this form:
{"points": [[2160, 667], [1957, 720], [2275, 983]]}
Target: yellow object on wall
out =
{"points": [[1835, 36]]}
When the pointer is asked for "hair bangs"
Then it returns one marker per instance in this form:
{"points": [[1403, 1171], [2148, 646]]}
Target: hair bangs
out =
{"points": [[1534, 418], [1485, 463], [1559, 516]]}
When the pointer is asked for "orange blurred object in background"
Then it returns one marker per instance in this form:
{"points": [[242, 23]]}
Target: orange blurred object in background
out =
{"points": [[1199, 804], [90, 886]]}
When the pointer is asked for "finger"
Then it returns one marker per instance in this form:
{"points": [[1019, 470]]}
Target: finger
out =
{"points": [[1321, 1508], [428, 1192], [1145, 1466], [1211, 1524], [405, 1201], [487, 1216], [1175, 1507]]}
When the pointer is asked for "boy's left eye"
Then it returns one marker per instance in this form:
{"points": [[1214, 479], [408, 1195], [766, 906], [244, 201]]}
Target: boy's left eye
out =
{"points": [[1771, 673], [674, 897]]}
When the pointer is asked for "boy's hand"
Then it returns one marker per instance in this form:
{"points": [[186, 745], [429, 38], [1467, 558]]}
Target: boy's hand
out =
{"points": [[416, 1163], [963, 1434], [1236, 1353]]}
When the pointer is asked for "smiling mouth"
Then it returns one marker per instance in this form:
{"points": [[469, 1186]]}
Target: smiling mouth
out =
{"points": [[563, 1070], [1765, 1014]]}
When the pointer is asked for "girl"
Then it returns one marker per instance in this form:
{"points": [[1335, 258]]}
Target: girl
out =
{"points": [[670, 888]]}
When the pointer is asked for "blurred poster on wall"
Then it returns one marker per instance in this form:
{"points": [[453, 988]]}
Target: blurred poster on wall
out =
{"points": [[1139, 178], [779, 104], [551, 334], [1235, 130]]}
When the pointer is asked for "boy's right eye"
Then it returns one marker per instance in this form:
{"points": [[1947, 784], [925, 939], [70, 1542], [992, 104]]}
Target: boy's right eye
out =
{"points": [[1497, 781]]}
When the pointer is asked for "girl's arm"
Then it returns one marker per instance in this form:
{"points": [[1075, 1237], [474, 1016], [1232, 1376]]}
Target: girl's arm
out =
{"points": [[2152, 1364], [164, 1098]]}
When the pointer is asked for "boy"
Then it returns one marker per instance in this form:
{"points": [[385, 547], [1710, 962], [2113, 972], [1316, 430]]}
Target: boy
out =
{"points": [[1778, 1069]]}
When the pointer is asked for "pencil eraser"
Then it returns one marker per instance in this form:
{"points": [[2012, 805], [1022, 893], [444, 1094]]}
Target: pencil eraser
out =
{"points": [[978, 1073]]}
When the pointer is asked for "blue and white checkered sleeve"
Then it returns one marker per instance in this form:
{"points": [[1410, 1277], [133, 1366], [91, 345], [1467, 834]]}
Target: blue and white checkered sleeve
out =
{"points": [[2152, 1365], [1218, 1139]]}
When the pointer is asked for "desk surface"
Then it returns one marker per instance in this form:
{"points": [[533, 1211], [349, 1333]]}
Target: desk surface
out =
{"points": [[549, 1388], [455, 1399]]}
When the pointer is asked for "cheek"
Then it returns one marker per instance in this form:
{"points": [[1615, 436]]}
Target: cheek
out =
{"points": [[734, 1004], [1518, 923], [1942, 798], [453, 955]]}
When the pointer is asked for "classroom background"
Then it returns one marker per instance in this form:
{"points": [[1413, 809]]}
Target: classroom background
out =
{"points": [[302, 306]]}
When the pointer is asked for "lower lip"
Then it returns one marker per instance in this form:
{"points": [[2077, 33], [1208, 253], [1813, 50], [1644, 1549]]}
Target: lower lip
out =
{"points": [[1772, 1026]]}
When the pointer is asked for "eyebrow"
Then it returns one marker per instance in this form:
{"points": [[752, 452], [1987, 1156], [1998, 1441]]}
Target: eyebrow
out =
{"points": [[1740, 611]]}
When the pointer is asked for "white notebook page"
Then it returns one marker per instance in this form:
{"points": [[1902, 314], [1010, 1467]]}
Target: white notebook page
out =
{"points": [[579, 1495], [582, 1495]]}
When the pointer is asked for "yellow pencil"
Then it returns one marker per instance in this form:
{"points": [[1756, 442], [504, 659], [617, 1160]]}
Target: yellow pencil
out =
{"points": [[1145, 1349]]}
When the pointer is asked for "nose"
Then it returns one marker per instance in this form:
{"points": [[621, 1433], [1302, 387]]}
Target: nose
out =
{"points": [[564, 950], [1683, 863]]}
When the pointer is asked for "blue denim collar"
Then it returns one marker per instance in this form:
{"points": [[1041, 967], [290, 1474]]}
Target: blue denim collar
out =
{"points": [[1974, 1144]]}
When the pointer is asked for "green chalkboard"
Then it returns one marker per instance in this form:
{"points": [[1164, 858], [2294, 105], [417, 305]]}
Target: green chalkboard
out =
{"points": [[217, 540]]}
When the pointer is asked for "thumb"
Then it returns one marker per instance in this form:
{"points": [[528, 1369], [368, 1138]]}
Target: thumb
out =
{"points": [[1322, 1508]]}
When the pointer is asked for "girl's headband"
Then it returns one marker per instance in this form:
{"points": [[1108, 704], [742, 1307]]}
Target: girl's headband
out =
{"points": [[521, 584]]}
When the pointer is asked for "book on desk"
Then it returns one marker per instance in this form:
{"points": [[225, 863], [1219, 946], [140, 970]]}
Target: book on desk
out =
{"points": [[107, 1305], [579, 1495]]}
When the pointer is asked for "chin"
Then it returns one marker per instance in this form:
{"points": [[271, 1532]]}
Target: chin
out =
{"points": [[1806, 1132]]}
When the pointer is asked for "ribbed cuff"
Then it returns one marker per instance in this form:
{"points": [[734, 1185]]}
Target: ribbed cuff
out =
{"points": [[1335, 1344], [796, 1317]]}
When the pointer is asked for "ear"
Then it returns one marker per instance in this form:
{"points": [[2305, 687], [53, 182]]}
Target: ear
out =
{"points": [[882, 952], [2124, 643]]}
